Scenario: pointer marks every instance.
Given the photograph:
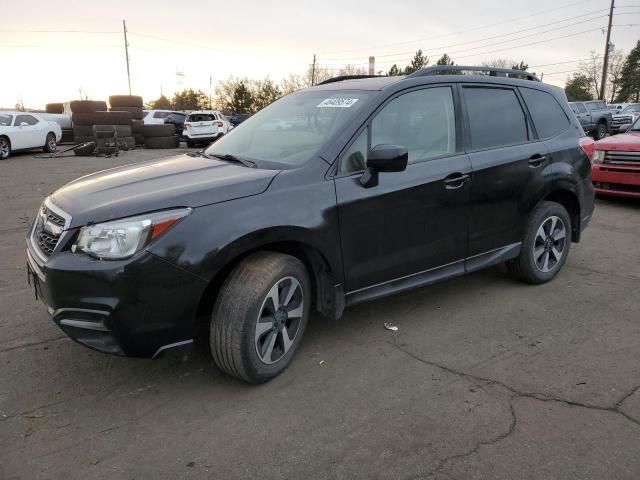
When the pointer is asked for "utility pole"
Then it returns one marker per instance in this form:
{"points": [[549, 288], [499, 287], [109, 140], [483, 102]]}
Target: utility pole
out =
{"points": [[605, 64], [209, 92], [126, 52], [313, 71]]}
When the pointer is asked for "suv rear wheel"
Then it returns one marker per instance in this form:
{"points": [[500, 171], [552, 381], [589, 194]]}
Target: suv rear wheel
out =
{"points": [[546, 244], [260, 316]]}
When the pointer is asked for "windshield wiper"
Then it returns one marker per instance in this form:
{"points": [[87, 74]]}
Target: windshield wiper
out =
{"points": [[232, 158]]}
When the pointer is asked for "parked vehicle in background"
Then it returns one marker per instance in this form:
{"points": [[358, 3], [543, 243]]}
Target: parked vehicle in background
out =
{"points": [[177, 120], [623, 120], [156, 117], [205, 126], [594, 116], [617, 107], [239, 118], [616, 164], [391, 183], [23, 131]]}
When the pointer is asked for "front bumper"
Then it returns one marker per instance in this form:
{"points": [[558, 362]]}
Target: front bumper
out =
{"points": [[136, 307], [619, 181]]}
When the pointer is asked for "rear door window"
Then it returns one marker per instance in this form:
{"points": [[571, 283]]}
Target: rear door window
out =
{"points": [[496, 118], [581, 108], [547, 114]]}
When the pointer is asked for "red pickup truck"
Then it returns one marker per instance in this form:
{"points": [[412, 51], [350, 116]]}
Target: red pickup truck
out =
{"points": [[616, 164]]}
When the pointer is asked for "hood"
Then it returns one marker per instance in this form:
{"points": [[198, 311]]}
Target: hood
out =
{"points": [[181, 181], [629, 141]]}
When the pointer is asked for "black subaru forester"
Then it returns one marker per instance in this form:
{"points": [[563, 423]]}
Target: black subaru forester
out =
{"points": [[331, 196]]}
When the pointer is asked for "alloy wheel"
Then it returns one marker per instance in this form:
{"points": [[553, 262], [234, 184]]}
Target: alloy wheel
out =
{"points": [[51, 142], [4, 148], [279, 320], [549, 244]]}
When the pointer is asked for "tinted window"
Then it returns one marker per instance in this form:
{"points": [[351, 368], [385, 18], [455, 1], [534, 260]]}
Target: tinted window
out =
{"points": [[631, 109], [5, 120], [354, 160], [29, 119], [201, 117], [596, 106], [496, 118], [581, 108], [547, 114], [423, 121], [160, 114]]}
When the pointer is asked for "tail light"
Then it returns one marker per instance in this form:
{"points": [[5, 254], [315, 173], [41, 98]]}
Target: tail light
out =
{"points": [[219, 124], [588, 146]]}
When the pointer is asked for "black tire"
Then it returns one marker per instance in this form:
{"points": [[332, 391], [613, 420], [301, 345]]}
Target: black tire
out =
{"points": [[101, 118], [54, 108], [125, 101], [600, 132], [190, 144], [87, 106], [136, 126], [85, 150], [162, 142], [82, 130], [50, 143], [158, 130], [121, 130], [238, 308], [5, 148], [525, 266], [82, 139], [139, 139], [136, 112]]}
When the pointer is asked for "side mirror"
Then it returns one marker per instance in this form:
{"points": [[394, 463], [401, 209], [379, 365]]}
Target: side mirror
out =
{"points": [[384, 158]]}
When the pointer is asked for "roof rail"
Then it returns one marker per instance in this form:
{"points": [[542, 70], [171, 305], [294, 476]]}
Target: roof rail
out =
{"points": [[491, 71], [348, 77]]}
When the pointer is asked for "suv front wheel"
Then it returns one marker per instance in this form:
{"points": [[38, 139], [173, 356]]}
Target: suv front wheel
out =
{"points": [[546, 244], [260, 316]]}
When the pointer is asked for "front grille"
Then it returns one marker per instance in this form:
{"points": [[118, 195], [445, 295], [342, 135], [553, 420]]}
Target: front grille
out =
{"points": [[622, 158], [619, 187], [621, 120], [47, 230]]}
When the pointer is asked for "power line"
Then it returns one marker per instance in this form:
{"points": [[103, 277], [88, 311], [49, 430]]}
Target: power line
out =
{"points": [[461, 31], [440, 48]]}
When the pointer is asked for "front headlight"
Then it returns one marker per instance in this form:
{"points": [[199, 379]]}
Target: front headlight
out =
{"points": [[598, 156], [123, 238]]}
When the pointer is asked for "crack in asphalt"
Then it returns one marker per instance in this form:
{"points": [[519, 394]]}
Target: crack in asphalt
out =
{"points": [[515, 394]]}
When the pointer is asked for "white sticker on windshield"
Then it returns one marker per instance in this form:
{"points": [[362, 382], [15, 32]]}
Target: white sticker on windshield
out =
{"points": [[337, 103]]}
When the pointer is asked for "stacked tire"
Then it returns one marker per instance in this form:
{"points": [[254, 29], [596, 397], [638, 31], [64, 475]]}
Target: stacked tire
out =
{"points": [[81, 111], [160, 136], [102, 126], [134, 105], [54, 108]]}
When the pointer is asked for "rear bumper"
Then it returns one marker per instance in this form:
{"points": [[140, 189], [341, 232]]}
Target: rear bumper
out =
{"points": [[202, 137], [617, 181], [136, 307]]}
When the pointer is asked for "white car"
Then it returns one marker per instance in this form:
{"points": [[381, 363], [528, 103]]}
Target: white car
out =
{"points": [[205, 126], [156, 117], [23, 130]]}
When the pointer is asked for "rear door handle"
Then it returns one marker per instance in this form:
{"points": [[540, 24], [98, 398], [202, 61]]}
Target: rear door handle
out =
{"points": [[537, 160], [456, 180]]}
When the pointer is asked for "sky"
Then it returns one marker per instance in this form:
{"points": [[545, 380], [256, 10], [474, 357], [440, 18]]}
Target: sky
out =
{"points": [[77, 48]]}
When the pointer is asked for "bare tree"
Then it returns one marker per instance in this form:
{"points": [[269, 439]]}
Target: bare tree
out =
{"points": [[616, 63], [351, 70], [592, 69]]}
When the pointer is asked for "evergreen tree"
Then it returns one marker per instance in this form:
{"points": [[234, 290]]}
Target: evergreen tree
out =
{"points": [[417, 62], [242, 99], [520, 66], [445, 60], [629, 82], [161, 103], [394, 71], [578, 88]]}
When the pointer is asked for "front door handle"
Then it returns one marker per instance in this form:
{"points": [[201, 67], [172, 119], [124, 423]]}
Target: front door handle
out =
{"points": [[537, 160], [456, 180]]}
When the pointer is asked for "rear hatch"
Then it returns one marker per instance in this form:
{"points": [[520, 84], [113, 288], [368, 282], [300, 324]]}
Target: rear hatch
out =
{"points": [[201, 125]]}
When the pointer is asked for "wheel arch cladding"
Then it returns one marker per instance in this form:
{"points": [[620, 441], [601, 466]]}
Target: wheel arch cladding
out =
{"points": [[568, 200], [321, 277]]}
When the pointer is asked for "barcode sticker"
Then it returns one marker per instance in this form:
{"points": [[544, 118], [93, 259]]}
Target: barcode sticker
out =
{"points": [[337, 103]]}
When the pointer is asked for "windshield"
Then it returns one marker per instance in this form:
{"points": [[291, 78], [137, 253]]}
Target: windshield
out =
{"points": [[631, 109], [291, 130], [635, 127], [5, 120]]}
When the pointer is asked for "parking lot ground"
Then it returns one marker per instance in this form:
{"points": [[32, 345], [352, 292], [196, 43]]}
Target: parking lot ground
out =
{"points": [[486, 378]]}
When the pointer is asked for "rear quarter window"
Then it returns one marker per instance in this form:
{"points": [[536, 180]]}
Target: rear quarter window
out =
{"points": [[547, 114]]}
